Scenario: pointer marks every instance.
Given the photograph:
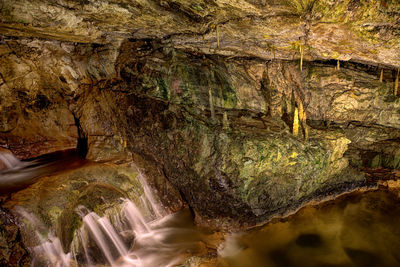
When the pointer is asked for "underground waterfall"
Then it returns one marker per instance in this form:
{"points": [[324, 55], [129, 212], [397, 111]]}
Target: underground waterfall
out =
{"points": [[142, 232], [128, 234]]}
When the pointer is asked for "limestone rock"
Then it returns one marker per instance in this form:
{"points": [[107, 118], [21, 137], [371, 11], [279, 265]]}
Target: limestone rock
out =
{"points": [[202, 94]]}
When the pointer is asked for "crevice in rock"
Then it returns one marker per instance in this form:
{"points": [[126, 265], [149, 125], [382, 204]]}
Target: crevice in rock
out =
{"points": [[153, 44], [364, 153], [82, 144], [329, 125], [366, 67], [181, 194]]}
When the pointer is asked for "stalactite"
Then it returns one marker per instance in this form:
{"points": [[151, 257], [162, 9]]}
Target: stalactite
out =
{"points": [[271, 52], [338, 65], [217, 36], [211, 103], [302, 118], [305, 127], [289, 107], [381, 77], [296, 122], [301, 111], [396, 83], [306, 132], [225, 121], [301, 56]]}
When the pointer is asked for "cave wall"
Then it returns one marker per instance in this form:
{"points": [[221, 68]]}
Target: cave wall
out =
{"points": [[39, 81], [220, 129], [356, 30]]}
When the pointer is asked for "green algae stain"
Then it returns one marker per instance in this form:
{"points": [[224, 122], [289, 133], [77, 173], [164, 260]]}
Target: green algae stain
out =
{"points": [[264, 164], [376, 161], [197, 7], [228, 93], [163, 89], [396, 160], [54, 213]]}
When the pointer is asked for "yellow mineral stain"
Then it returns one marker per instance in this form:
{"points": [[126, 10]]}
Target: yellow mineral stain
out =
{"points": [[278, 157], [301, 111], [296, 122]]}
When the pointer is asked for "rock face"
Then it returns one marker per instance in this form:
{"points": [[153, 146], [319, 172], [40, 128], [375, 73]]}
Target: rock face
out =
{"points": [[346, 30], [216, 145], [39, 80], [13, 251], [249, 109]]}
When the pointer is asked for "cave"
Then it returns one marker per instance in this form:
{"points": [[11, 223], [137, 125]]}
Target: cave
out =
{"points": [[199, 133]]}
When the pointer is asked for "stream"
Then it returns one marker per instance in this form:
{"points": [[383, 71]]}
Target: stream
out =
{"points": [[20, 174], [355, 229]]}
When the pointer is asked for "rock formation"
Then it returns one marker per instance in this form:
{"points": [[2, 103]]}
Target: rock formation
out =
{"points": [[202, 94]]}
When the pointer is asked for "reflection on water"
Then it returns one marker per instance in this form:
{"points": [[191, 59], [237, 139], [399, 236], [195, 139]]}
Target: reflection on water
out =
{"points": [[19, 174], [359, 229]]}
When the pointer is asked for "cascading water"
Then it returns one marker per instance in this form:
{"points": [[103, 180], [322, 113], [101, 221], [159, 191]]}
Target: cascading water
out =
{"points": [[8, 160], [16, 174], [127, 238], [138, 231]]}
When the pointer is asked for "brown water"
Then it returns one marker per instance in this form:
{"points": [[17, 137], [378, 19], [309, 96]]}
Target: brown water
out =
{"points": [[358, 229]]}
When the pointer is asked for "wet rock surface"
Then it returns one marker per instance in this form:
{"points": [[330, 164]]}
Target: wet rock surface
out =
{"points": [[13, 250]]}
